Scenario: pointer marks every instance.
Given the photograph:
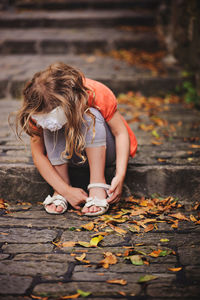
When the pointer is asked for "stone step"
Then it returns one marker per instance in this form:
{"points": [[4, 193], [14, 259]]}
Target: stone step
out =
{"points": [[76, 41], [178, 175], [85, 4], [75, 19], [117, 74]]}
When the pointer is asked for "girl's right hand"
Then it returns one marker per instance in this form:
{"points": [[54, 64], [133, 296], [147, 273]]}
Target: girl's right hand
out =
{"points": [[75, 196]]}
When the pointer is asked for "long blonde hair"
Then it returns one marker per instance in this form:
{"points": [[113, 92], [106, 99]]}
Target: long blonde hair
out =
{"points": [[58, 85]]}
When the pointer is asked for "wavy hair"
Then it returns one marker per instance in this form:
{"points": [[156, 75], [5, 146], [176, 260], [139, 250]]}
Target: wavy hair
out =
{"points": [[58, 85]]}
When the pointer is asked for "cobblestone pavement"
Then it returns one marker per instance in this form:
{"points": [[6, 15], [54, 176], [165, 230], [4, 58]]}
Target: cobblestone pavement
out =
{"points": [[32, 265]]}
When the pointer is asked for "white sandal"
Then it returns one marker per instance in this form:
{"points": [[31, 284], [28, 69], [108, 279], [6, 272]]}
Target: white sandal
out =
{"points": [[102, 203], [57, 200]]}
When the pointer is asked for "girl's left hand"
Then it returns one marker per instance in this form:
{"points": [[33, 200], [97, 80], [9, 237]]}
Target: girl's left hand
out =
{"points": [[116, 189]]}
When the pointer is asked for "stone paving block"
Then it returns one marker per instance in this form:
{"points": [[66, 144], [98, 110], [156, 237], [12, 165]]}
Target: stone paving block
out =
{"points": [[189, 255], [55, 257], [32, 268], [31, 248], [192, 274], [3, 256], [125, 268], [39, 223], [96, 288], [157, 291], [11, 284], [28, 235]]}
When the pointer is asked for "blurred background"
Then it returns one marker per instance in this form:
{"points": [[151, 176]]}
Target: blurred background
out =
{"points": [[150, 46]]}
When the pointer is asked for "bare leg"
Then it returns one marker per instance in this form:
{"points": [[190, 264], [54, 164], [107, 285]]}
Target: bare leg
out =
{"points": [[63, 172], [96, 158]]}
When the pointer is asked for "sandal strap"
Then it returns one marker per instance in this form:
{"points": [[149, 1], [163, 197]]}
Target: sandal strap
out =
{"points": [[90, 201], [57, 200], [101, 185]]}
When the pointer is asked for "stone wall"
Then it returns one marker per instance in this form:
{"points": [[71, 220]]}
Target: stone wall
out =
{"points": [[179, 25]]}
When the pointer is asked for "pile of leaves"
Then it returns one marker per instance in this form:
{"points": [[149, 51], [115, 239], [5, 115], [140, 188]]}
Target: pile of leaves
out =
{"points": [[146, 110], [151, 61]]}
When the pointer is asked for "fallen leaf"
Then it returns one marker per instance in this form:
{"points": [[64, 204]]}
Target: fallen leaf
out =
{"points": [[134, 228], [83, 294], [136, 260], [118, 229], [94, 241], [84, 244], [117, 281], [70, 296], [195, 146], [149, 228], [110, 259], [80, 258], [175, 269], [192, 218], [89, 226], [122, 293], [164, 240], [146, 278], [4, 233], [68, 244], [179, 216]]}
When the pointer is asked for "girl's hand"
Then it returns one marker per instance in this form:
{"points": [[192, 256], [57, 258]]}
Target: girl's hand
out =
{"points": [[75, 196], [116, 189]]}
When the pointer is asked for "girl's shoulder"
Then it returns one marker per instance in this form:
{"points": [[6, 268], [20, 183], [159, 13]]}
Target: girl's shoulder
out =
{"points": [[102, 98]]}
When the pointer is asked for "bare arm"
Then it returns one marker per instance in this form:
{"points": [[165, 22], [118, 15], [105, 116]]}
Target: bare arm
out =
{"points": [[48, 172], [122, 154]]}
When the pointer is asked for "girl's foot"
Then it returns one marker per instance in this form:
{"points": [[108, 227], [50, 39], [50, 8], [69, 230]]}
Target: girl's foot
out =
{"points": [[52, 207], [99, 193]]}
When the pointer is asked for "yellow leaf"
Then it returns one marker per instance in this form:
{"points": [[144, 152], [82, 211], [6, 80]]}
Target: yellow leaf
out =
{"points": [[68, 244], [88, 226], [71, 296], [192, 218], [175, 269], [84, 244], [117, 281], [94, 241], [80, 258]]}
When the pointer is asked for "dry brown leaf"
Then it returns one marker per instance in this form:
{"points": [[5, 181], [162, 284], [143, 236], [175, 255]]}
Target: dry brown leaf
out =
{"points": [[179, 216], [68, 244], [122, 293], [110, 259], [117, 281], [149, 228], [118, 229]]}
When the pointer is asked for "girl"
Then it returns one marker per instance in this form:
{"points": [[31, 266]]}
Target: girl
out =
{"points": [[74, 120]]}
